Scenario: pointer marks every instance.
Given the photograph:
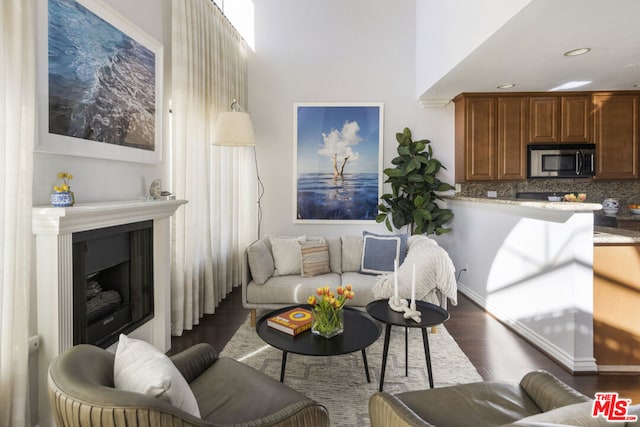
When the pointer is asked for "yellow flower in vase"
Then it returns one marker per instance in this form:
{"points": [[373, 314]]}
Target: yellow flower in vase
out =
{"points": [[63, 195], [327, 310]]}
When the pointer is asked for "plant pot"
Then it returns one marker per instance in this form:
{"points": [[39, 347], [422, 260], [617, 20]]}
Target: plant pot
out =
{"points": [[327, 323], [62, 199]]}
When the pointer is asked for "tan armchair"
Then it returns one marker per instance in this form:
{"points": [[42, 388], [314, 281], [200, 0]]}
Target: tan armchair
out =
{"points": [[540, 399], [81, 393]]}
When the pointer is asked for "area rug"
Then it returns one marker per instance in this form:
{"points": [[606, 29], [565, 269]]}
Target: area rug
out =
{"points": [[339, 382]]}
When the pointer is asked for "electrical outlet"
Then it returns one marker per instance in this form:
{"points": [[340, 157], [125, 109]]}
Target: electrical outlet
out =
{"points": [[458, 187], [492, 194]]}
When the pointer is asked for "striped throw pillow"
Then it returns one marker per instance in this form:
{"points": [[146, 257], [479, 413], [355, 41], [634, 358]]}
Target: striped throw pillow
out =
{"points": [[314, 257]]}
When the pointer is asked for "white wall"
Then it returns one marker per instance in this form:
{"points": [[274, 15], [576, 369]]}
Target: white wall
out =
{"points": [[333, 51], [449, 31], [98, 179]]}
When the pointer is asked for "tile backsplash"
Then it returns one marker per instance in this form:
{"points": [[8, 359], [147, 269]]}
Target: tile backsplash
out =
{"points": [[626, 191]]}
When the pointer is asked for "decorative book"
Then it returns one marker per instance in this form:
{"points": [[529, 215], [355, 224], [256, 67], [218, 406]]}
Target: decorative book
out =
{"points": [[291, 322]]}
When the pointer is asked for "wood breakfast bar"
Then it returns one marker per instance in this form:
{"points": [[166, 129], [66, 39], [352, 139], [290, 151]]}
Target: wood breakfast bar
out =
{"points": [[616, 299]]}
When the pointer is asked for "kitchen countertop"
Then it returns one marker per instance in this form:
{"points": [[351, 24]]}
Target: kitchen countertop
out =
{"points": [[601, 236], [538, 204], [615, 236]]}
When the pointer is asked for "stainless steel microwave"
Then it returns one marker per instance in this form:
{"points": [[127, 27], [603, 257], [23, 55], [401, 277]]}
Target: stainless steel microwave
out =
{"points": [[561, 160]]}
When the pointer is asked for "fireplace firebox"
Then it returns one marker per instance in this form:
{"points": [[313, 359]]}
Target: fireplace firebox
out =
{"points": [[112, 282]]}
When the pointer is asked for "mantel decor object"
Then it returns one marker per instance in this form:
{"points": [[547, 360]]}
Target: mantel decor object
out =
{"points": [[157, 193], [62, 196], [327, 314]]}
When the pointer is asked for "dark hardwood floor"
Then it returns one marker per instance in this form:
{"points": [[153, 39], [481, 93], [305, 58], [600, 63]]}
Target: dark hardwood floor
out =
{"points": [[495, 351]]}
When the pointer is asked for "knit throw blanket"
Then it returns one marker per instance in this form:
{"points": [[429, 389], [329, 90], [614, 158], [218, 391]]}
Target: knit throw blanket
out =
{"points": [[434, 271]]}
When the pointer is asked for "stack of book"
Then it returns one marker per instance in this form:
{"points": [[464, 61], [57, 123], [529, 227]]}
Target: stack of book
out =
{"points": [[292, 321]]}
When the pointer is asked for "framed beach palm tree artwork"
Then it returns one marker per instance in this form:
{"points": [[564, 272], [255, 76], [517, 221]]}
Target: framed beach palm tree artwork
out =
{"points": [[102, 77], [337, 162]]}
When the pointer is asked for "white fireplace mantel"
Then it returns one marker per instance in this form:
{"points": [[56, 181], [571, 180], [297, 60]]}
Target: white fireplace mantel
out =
{"points": [[53, 229]]}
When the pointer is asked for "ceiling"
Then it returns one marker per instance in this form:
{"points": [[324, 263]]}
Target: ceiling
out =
{"points": [[528, 50]]}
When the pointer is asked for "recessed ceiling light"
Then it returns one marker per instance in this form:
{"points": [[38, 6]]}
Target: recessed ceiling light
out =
{"points": [[506, 86], [576, 52], [571, 85]]}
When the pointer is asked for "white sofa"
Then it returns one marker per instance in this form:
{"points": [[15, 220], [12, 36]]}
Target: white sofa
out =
{"points": [[264, 288]]}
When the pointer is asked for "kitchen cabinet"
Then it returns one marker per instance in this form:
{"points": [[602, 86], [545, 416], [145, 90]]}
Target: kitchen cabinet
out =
{"points": [[475, 139], [543, 119], [616, 298], [511, 138], [575, 112], [491, 138], [559, 119], [615, 133]]}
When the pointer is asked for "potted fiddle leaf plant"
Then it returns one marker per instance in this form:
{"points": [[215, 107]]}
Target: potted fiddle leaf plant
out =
{"points": [[414, 189]]}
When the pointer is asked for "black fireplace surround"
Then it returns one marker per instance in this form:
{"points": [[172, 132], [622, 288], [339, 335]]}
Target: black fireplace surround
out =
{"points": [[112, 282]]}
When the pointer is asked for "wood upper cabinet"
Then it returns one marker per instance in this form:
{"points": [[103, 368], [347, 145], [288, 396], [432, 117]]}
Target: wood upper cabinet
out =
{"points": [[511, 138], [491, 138], [615, 133], [543, 119], [575, 119], [558, 119], [476, 139]]}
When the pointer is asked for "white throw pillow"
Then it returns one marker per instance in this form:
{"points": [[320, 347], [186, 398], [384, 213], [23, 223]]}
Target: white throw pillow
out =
{"points": [[142, 368], [286, 254]]}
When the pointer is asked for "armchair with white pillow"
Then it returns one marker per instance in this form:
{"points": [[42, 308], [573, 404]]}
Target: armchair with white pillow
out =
{"points": [[140, 386]]}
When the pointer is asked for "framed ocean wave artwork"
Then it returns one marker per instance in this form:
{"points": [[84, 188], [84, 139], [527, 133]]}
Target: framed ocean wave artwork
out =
{"points": [[100, 82], [337, 162]]}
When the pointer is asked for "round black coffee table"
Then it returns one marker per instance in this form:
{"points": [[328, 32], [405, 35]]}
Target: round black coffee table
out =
{"points": [[431, 315], [360, 331]]}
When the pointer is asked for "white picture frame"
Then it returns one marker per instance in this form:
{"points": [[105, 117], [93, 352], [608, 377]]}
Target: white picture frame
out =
{"points": [[327, 189], [127, 113]]}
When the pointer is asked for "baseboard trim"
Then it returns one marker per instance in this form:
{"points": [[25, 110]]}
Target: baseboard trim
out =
{"points": [[573, 365]]}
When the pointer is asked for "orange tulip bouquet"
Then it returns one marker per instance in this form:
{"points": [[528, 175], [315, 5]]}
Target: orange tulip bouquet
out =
{"points": [[327, 310]]}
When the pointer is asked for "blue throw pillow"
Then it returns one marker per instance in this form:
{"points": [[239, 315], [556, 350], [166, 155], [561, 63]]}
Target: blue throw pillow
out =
{"points": [[380, 250]]}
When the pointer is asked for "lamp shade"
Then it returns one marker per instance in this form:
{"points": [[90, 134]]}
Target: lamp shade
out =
{"points": [[234, 128]]}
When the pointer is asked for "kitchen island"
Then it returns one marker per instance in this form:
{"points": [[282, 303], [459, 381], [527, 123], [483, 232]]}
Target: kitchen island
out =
{"points": [[616, 287], [530, 264]]}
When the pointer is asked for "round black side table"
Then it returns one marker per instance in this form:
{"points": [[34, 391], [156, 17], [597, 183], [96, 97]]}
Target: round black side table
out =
{"points": [[431, 315]]}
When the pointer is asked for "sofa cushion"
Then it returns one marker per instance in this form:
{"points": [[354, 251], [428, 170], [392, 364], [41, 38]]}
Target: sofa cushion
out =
{"points": [[225, 402], [260, 262], [380, 251], [142, 368], [286, 254], [293, 289], [335, 254], [314, 258], [487, 403], [351, 253]]}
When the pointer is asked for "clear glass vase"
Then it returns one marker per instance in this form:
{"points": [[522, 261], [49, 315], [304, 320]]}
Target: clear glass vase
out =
{"points": [[327, 323]]}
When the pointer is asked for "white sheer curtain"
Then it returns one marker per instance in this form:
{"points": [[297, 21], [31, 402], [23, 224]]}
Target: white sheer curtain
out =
{"points": [[208, 71], [17, 135]]}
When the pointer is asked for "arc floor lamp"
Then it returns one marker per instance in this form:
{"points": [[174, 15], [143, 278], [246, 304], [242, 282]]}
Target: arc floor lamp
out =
{"points": [[234, 129]]}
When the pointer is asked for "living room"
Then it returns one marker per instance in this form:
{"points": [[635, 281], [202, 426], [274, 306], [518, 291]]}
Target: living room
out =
{"points": [[334, 51]]}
